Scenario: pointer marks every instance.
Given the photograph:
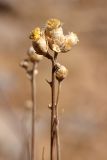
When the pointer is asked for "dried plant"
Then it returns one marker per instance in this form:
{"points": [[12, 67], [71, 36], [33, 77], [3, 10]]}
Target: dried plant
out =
{"points": [[52, 38], [30, 65]]}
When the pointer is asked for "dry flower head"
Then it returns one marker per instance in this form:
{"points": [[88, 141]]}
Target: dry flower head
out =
{"points": [[39, 41], [52, 37]]}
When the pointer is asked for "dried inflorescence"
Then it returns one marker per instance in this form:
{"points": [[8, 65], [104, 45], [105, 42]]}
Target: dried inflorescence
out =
{"points": [[32, 59], [52, 37]]}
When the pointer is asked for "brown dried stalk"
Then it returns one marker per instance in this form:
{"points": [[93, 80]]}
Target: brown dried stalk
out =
{"points": [[57, 126], [55, 144], [53, 113], [33, 96]]}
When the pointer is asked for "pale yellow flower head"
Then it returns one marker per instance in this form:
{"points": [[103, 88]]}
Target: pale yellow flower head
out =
{"points": [[53, 23], [35, 34]]}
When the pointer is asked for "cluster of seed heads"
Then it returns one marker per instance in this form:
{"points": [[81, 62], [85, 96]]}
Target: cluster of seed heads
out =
{"points": [[51, 37]]}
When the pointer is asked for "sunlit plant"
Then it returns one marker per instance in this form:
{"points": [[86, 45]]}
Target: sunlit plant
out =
{"points": [[49, 42]]}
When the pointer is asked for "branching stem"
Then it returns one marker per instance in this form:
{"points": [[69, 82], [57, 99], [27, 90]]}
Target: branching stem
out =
{"points": [[55, 143]]}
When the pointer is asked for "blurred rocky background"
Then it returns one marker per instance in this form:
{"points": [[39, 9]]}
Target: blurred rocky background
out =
{"points": [[83, 99]]}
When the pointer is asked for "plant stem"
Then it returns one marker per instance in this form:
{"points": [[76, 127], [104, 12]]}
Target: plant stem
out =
{"points": [[55, 144], [33, 96], [52, 147], [57, 125]]}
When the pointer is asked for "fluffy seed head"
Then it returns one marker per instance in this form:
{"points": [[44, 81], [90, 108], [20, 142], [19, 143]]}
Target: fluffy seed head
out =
{"points": [[57, 33], [55, 39], [73, 38], [52, 37], [70, 40]]}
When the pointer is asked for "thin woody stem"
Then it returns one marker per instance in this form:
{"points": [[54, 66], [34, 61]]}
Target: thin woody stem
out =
{"points": [[52, 147], [33, 96], [58, 92], [57, 126]]}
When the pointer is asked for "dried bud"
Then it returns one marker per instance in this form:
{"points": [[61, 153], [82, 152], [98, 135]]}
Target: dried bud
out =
{"points": [[33, 56], [57, 33], [39, 41], [61, 72], [25, 64]]}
